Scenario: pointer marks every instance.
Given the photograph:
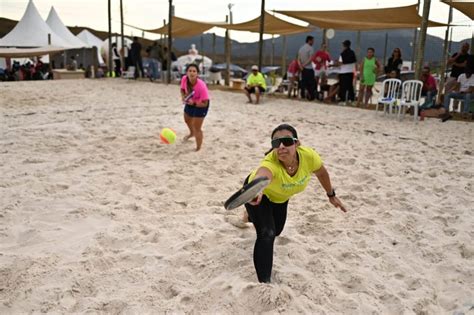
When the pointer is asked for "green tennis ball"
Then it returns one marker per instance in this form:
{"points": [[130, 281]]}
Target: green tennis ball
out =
{"points": [[167, 136]]}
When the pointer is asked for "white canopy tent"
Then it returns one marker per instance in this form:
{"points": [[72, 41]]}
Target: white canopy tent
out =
{"points": [[32, 31], [91, 40], [59, 28]]}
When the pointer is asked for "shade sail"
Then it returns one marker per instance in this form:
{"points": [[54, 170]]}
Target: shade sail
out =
{"points": [[368, 19], [466, 7], [188, 28], [273, 25], [183, 27], [29, 52]]}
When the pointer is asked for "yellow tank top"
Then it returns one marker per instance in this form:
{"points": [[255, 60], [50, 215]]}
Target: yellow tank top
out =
{"points": [[283, 186]]}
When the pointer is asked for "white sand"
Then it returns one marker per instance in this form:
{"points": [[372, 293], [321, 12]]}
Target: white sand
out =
{"points": [[98, 216]]}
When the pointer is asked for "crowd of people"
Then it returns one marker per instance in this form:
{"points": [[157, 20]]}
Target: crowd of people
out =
{"points": [[308, 78]]}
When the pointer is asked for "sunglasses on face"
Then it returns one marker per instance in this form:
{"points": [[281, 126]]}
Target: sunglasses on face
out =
{"points": [[287, 141]]}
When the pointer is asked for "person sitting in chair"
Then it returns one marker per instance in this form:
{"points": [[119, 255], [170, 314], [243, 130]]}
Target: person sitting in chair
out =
{"points": [[255, 84], [464, 90]]}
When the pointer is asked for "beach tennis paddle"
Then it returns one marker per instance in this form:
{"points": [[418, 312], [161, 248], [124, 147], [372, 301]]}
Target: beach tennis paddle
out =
{"points": [[247, 193], [187, 98]]}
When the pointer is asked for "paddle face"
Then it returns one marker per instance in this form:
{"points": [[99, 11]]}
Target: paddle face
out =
{"points": [[188, 97], [247, 193]]}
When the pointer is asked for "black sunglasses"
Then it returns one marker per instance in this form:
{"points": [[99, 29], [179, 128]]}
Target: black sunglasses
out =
{"points": [[287, 141]]}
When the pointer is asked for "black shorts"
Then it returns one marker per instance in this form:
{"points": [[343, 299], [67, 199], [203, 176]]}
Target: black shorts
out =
{"points": [[195, 111], [252, 89]]}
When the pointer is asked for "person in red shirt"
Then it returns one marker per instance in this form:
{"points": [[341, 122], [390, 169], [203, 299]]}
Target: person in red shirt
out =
{"points": [[293, 75], [321, 60], [429, 89]]}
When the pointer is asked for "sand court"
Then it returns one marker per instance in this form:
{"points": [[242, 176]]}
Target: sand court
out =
{"points": [[98, 216]]}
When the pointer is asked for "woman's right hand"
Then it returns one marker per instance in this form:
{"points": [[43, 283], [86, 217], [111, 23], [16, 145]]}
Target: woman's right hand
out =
{"points": [[256, 201]]}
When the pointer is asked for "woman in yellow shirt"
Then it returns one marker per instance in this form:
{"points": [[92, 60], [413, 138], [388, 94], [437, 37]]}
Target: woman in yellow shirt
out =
{"points": [[289, 167]]}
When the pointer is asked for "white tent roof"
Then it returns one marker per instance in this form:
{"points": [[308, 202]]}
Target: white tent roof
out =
{"points": [[59, 28], [31, 31], [92, 40]]}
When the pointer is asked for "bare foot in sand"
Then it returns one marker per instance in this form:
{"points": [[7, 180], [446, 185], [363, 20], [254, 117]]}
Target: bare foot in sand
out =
{"points": [[187, 137]]}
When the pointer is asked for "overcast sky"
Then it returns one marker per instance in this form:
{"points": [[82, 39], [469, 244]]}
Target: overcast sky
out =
{"points": [[150, 13]]}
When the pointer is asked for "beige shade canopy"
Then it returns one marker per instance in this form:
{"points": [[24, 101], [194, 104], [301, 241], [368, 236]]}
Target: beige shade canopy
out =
{"points": [[183, 27], [188, 28], [363, 20], [467, 8], [29, 52], [273, 25]]}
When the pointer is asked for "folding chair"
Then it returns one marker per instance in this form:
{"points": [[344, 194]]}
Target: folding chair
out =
{"points": [[129, 74], [388, 95], [411, 96]]}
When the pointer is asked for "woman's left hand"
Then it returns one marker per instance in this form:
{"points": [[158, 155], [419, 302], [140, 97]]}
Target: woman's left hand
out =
{"points": [[337, 203]]}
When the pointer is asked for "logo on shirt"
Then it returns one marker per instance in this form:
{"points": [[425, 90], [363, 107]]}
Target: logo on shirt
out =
{"points": [[289, 186]]}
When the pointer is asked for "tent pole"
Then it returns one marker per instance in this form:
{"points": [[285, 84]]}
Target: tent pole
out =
{"points": [[472, 43], [420, 54], [445, 56], [385, 49], [415, 35], [122, 40], [325, 40], [358, 45], [283, 56], [170, 40], [260, 42], [227, 47], [109, 62], [227, 58], [202, 54], [413, 53], [273, 50], [214, 47], [450, 38]]}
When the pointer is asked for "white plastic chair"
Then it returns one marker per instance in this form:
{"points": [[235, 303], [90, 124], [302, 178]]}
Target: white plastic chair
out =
{"points": [[388, 94], [129, 74], [411, 96]]}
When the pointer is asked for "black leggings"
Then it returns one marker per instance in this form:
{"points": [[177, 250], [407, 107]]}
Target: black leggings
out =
{"points": [[269, 219]]}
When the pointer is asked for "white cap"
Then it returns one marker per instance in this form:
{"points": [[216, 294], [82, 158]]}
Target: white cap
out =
{"points": [[255, 67]]}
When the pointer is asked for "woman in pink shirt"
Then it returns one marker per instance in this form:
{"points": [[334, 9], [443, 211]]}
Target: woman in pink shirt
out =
{"points": [[321, 60], [195, 96]]}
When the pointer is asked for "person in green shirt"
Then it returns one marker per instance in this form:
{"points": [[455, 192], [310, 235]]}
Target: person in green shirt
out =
{"points": [[255, 84], [289, 166], [369, 69]]}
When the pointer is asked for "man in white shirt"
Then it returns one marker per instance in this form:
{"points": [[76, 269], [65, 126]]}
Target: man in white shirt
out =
{"points": [[308, 83], [464, 90]]}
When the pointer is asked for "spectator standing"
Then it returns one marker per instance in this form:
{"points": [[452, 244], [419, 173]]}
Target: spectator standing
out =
{"points": [[347, 62], [395, 62], [321, 61], [368, 73], [136, 57], [116, 59], [308, 84]]}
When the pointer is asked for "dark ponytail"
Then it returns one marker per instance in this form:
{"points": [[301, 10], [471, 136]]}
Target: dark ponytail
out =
{"points": [[283, 127]]}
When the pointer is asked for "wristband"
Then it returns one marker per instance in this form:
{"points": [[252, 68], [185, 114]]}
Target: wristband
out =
{"points": [[331, 194]]}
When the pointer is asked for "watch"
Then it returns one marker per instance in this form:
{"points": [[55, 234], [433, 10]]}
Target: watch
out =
{"points": [[332, 193]]}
